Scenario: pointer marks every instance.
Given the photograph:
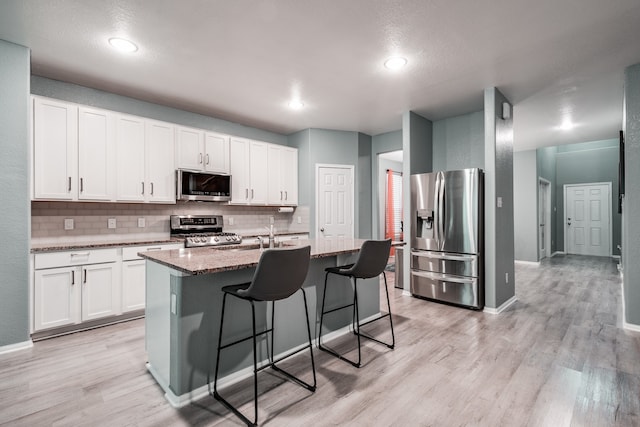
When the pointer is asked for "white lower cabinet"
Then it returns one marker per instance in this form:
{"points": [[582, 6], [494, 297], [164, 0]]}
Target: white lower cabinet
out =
{"points": [[134, 276], [75, 287]]}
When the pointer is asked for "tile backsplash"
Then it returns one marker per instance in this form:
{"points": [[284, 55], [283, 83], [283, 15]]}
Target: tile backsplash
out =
{"points": [[91, 219]]}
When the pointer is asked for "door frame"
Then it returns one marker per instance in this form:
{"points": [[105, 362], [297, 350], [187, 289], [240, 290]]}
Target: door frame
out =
{"points": [[351, 169], [547, 219], [564, 213]]}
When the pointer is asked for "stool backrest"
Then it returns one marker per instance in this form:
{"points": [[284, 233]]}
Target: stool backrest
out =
{"points": [[372, 259], [280, 273]]}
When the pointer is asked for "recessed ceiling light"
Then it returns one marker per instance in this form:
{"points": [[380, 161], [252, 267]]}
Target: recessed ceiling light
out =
{"points": [[123, 45], [296, 104], [395, 63]]}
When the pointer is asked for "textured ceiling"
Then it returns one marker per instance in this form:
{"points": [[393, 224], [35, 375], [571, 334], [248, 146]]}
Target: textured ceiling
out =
{"points": [[243, 60]]}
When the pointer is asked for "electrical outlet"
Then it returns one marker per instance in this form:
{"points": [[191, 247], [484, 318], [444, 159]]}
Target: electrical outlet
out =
{"points": [[506, 277], [499, 202], [68, 224], [271, 220], [299, 220], [111, 223], [230, 219], [141, 223]]}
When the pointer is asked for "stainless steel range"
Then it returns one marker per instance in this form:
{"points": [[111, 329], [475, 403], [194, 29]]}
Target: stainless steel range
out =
{"points": [[202, 230]]}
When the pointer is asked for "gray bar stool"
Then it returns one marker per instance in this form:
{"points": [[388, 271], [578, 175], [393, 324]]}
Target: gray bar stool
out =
{"points": [[371, 262], [280, 273]]}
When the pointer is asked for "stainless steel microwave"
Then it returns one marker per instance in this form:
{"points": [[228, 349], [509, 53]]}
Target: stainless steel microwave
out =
{"points": [[202, 186]]}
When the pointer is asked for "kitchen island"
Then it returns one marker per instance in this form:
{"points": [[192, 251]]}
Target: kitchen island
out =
{"points": [[184, 298]]}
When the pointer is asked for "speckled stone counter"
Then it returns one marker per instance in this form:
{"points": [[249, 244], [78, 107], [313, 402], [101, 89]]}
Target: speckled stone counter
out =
{"points": [[207, 260], [116, 243]]}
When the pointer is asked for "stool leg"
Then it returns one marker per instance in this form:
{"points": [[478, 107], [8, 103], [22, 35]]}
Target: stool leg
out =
{"points": [[273, 330], [255, 364], [356, 318], [215, 378], [306, 312], [386, 289], [324, 297]]}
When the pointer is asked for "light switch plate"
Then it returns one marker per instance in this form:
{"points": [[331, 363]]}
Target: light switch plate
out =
{"points": [[230, 219], [68, 224], [111, 223], [499, 202], [299, 220], [141, 223]]}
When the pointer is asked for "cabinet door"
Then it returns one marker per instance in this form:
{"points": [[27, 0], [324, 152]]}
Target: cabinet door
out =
{"points": [[275, 166], [56, 297], [239, 165], [55, 144], [160, 166], [99, 291], [130, 184], [259, 173], [95, 154], [133, 285], [289, 176], [189, 148], [216, 150]]}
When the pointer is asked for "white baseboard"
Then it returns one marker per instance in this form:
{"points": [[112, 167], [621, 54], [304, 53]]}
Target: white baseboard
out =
{"points": [[179, 401], [406, 293], [502, 308], [558, 253], [533, 263], [16, 347], [615, 257]]}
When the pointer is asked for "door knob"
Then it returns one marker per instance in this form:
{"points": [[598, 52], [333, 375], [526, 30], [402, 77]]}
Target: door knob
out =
{"points": [[322, 229]]}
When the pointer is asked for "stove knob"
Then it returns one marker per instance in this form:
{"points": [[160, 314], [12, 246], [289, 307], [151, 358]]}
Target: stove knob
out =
{"points": [[216, 239]]}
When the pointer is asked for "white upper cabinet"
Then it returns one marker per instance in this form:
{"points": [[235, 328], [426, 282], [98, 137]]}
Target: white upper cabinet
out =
{"points": [[282, 175], [96, 154], [130, 159], [159, 162], [55, 150], [248, 172], [216, 153], [202, 151]]}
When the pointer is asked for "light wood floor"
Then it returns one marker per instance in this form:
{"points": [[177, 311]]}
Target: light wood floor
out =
{"points": [[557, 357]]}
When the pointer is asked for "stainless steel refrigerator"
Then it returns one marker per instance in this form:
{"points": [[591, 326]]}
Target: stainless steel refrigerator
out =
{"points": [[447, 237]]}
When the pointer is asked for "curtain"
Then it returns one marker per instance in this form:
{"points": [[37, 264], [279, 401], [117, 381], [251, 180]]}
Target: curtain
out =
{"points": [[393, 207]]}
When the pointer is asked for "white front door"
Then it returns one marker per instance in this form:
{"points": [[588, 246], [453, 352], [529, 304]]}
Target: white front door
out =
{"points": [[334, 201], [587, 224]]}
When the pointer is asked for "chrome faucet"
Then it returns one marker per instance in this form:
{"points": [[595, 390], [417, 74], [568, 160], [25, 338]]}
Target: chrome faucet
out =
{"points": [[272, 239]]}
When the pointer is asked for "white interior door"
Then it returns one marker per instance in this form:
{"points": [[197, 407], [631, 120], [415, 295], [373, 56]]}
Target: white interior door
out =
{"points": [[334, 201], [587, 215]]}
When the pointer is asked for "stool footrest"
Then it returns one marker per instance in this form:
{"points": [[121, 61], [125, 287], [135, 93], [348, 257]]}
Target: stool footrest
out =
{"points": [[230, 407]]}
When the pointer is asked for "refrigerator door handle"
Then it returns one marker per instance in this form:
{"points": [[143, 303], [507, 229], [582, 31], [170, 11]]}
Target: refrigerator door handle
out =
{"points": [[443, 277], [441, 210], [440, 255]]}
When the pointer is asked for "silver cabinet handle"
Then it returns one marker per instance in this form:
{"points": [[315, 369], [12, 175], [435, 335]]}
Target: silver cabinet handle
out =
{"points": [[73, 277], [157, 248], [252, 193], [143, 187], [286, 196], [152, 188], [246, 193], [81, 185], [281, 195], [69, 185], [80, 254], [207, 158], [85, 275], [200, 158]]}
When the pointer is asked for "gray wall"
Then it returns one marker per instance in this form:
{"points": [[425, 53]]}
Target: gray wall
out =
{"points": [[14, 193], [123, 104], [458, 142], [417, 147], [525, 209], [364, 178], [584, 163], [322, 146], [631, 226], [383, 143], [546, 166], [499, 229]]}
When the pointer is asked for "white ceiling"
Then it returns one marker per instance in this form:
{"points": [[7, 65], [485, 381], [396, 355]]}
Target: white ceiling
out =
{"points": [[243, 60]]}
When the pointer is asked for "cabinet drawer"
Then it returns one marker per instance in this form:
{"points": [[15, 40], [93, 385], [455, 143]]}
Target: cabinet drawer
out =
{"points": [[79, 257], [130, 253]]}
